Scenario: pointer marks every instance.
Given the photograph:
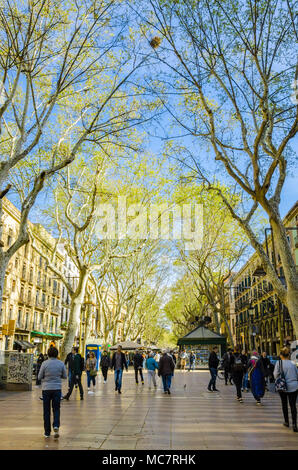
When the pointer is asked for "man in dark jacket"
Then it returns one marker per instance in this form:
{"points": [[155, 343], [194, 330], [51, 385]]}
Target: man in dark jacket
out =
{"points": [[104, 365], [138, 366], [266, 365], [213, 365], [118, 364], [166, 368], [68, 360], [226, 362], [76, 366]]}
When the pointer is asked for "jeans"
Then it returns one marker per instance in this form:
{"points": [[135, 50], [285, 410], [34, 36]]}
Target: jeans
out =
{"points": [[141, 374], [192, 366], [104, 371], [151, 377], [90, 378], [237, 378], [75, 379], [49, 396], [245, 381], [166, 380], [227, 375], [212, 382], [69, 378], [118, 379], [292, 397]]}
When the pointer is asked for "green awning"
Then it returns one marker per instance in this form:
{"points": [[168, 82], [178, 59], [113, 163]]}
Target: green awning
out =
{"points": [[49, 335]]}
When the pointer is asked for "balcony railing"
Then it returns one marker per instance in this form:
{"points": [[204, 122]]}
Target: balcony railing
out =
{"points": [[40, 304]]}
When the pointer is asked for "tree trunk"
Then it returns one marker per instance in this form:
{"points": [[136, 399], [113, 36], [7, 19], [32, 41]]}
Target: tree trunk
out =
{"points": [[74, 316], [3, 268], [292, 304], [289, 268]]}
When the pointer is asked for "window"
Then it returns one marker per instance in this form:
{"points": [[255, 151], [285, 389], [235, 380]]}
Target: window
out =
{"points": [[27, 321], [16, 263], [19, 318], [9, 240], [24, 271], [31, 275], [29, 295], [40, 261], [13, 286]]}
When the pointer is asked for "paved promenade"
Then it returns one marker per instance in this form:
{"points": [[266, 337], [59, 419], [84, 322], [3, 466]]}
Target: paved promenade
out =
{"points": [[191, 418]]}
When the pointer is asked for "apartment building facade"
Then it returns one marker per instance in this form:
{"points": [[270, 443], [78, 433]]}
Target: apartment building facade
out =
{"points": [[258, 319]]}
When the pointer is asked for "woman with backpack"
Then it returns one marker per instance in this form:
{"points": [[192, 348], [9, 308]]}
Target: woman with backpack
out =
{"points": [[256, 376], [237, 370], [286, 375]]}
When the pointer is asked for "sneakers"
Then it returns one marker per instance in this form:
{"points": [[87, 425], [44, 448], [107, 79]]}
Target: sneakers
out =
{"points": [[286, 424], [143, 383], [295, 428], [46, 436], [240, 400], [56, 431], [82, 398], [209, 390], [89, 389], [169, 393], [258, 403], [215, 390], [90, 392], [119, 391], [65, 397]]}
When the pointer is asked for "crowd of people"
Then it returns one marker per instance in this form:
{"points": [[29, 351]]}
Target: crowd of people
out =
{"points": [[243, 371], [255, 371]]}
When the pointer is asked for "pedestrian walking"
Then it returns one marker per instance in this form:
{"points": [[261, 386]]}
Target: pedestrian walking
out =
{"points": [[286, 370], [244, 358], [151, 366], [76, 366], [50, 374], [118, 364], [166, 368], [127, 358], [69, 358], [183, 357], [39, 361], [226, 363], [157, 357], [213, 362], [192, 361], [138, 360], [256, 376], [104, 365], [91, 370], [237, 371], [266, 365]]}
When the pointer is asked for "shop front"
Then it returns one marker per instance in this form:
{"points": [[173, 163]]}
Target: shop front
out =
{"points": [[43, 341]]}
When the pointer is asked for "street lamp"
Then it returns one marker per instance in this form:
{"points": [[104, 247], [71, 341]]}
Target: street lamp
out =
{"points": [[251, 312]]}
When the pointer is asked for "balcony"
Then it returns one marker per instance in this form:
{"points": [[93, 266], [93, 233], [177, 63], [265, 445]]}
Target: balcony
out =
{"points": [[56, 309], [40, 304]]}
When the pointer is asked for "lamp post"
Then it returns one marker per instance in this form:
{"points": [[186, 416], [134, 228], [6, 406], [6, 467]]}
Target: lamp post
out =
{"points": [[251, 312]]}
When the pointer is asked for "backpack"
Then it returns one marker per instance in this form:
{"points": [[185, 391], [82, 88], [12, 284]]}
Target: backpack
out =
{"points": [[238, 364], [280, 383]]}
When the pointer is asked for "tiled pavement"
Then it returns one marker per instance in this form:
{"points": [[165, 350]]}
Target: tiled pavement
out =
{"points": [[191, 418]]}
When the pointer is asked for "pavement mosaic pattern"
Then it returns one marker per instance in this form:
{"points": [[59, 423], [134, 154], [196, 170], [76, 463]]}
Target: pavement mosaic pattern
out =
{"points": [[189, 418]]}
